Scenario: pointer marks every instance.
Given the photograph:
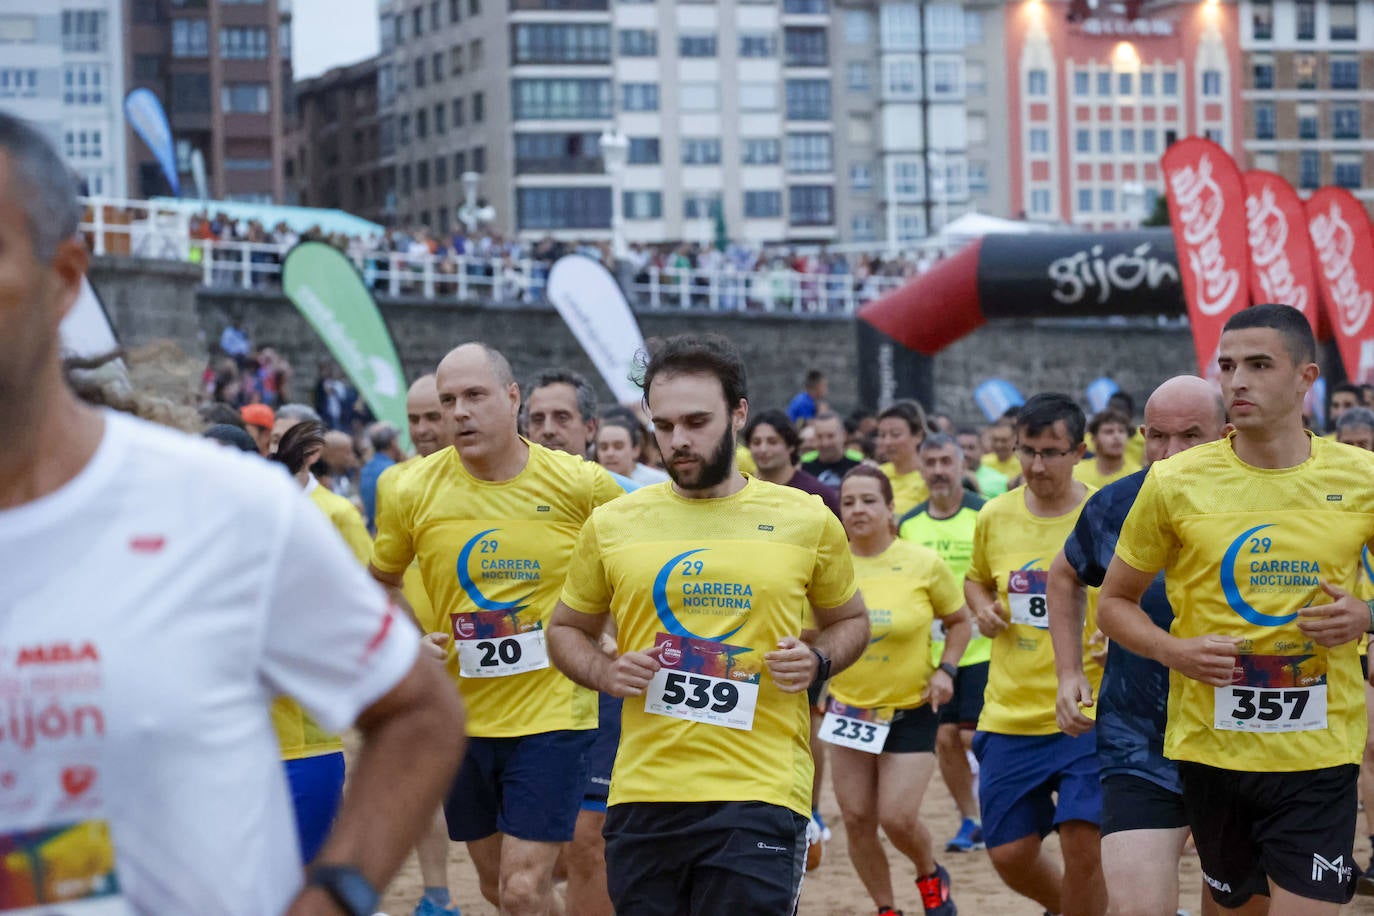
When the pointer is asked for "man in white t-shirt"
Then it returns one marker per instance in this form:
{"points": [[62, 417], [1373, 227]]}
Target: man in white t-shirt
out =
{"points": [[157, 593]]}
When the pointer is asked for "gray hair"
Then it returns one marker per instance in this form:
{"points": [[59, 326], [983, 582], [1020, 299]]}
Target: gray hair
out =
{"points": [[47, 190], [297, 412], [382, 435], [940, 440], [586, 394], [1356, 417]]}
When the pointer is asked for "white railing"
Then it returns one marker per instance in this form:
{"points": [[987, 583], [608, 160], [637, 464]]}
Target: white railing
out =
{"points": [[142, 229]]}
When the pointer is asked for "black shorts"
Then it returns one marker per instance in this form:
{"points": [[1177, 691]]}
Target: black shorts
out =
{"points": [[1295, 829], [913, 732], [1134, 803], [964, 708], [678, 858], [601, 755]]}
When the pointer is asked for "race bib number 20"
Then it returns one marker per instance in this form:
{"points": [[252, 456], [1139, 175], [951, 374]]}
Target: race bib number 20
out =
{"points": [[1273, 693], [497, 644], [1026, 597], [704, 681]]}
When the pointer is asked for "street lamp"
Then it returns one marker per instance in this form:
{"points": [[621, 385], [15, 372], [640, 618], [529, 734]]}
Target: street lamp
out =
{"points": [[469, 213], [615, 150]]}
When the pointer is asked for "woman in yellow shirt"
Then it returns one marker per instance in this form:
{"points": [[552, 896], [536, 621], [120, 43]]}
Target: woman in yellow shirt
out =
{"points": [[881, 717]]}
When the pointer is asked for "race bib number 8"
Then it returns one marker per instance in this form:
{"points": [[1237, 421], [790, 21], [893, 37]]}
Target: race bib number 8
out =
{"points": [[855, 728], [1026, 597], [703, 681], [1273, 693], [488, 647]]}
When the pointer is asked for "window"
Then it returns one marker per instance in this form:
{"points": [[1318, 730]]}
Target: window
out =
{"points": [[455, 10], [460, 164], [973, 27], [701, 151], [900, 77], [560, 98], [1040, 202], [437, 67], [479, 161], [945, 26], [810, 206], [190, 38], [191, 93], [863, 227], [83, 31], [422, 175], [643, 151], [440, 116], [455, 60], [701, 45], [975, 78], [420, 72], [1309, 169], [1147, 85], [858, 27], [457, 111], [1104, 140], [1263, 73], [700, 204], [809, 153], [1307, 121], [976, 129], [1265, 123], [1124, 83], [417, 27], [1148, 141], [758, 97], [421, 124], [907, 180], [1039, 140], [639, 96], [147, 67], [1347, 172], [1211, 83], [1127, 140], [403, 129], [858, 76], [1345, 122], [475, 53], [21, 29], [1306, 20], [1169, 84], [83, 84], [758, 44], [762, 204], [900, 27], [946, 77], [1082, 82], [475, 7], [638, 43], [978, 177], [1085, 200], [806, 7], [246, 98], [1345, 72], [699, 97], [760, 151], [479, 108], [1106, 200], [242, 43], [1262, 19], [1082, 140], [19, 83], [805, 47], [546, 153], [642, 204], [83, 144], [563, 208], [910, 227], [861, 176], [1305, 71], [1104, 83], [434, 21], [561, 43], [1344, 26], [1037, 83]]}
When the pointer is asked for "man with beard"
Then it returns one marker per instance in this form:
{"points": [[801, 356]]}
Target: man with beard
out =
{"points": [[706, 580]]}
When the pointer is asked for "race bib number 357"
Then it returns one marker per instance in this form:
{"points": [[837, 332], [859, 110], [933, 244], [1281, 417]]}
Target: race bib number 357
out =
{"points": [[1273, 693], [704, 681], [1026, 597], [493, 644]]}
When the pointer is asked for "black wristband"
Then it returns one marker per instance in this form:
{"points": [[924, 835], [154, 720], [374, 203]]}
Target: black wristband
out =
{"points": [[949, 669]]}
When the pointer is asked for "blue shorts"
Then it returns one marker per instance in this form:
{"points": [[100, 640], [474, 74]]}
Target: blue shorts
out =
{"points": [[316, 787], [601, 757], [530, 787], [1030, 784]]}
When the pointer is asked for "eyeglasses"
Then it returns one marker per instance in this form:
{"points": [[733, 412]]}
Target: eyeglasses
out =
{"points": [[1029, 454]]}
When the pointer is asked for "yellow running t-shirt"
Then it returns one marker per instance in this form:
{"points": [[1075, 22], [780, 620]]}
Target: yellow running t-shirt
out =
{"points": [[297, 733], [905, 588], [500, 550], [737, 571], [952, 539], [1245, 548], [1012, 552], [412, 583], [1008, 469], [908, 490]]}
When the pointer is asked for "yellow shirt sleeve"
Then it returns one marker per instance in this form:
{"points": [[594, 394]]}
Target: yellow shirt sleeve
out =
{"points": [[604, 486], [350, 524], [832, 579], [1148, 540], [585, 588], [978, 570], [946, 597], [394, 549]]}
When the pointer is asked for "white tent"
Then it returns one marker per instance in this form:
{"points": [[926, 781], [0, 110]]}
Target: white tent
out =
{"points": [[972, 226]]}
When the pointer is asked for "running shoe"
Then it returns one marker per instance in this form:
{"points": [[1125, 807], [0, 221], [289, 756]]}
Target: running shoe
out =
{"points": [[825, 831], [969, 837], [934, 890], [888, 911], [427, 907], [815, 845]]}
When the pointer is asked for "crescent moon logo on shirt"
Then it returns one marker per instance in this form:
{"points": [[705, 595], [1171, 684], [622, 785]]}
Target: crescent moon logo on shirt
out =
{"points": [[470, 588], [1231, 588], [1364, 559], [665, 611]]}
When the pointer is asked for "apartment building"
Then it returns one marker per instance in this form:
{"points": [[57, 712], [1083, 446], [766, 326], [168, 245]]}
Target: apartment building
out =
{"points": [[61, 67], [334, 153]]}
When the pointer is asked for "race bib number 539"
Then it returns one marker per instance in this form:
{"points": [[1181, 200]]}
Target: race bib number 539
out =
{"points": [[1026, 597], [704, 681], [1273, 693]]}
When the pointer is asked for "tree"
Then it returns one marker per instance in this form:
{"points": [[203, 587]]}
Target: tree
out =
{"points": [[1160, 216]]}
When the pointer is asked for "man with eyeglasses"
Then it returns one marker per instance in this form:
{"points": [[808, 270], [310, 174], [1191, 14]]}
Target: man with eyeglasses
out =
{"points": [[1032, 778]]}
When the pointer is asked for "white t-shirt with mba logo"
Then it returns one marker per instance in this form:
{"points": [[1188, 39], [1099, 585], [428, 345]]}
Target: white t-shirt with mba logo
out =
{"points": [[150, 610]]}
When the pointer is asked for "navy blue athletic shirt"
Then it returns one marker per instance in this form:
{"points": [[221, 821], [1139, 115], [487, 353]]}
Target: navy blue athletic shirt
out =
{"points": [[1133, 702]]}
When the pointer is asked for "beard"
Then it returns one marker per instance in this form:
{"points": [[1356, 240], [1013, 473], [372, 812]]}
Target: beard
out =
{"points": [[712, 471]]}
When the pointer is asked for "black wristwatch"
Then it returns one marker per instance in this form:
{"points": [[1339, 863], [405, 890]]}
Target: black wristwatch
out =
{"points": [[949, 669], [348, 888], [822, 668]]}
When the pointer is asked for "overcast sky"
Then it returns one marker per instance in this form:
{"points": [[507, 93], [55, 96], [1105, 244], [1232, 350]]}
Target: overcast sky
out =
{"points": [[327, 33]]}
